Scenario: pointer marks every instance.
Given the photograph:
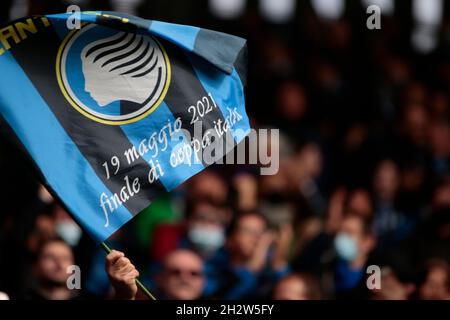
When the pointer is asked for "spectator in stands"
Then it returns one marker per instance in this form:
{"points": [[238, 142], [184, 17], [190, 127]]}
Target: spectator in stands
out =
{"points": [[202, 231], [241, 268], [436, 283], [181, 276], [297, 287], [51, 272]]}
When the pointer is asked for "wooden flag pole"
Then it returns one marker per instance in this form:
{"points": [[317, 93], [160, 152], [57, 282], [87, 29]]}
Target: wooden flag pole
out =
{"points": [[138, 283]]}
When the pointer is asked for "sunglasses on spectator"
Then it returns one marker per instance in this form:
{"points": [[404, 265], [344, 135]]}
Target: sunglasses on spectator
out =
{"points": [[178, 272]]}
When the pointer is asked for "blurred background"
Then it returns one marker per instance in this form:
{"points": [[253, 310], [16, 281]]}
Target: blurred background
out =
{"points": [[364, 176]]}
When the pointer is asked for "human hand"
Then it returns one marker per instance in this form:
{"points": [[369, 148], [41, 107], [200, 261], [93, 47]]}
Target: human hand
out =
{"points": [[122, 274]]}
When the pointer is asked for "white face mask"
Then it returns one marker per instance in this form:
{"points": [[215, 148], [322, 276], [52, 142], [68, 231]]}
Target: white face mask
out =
{"points": [[69, 231], [206, 239], [346, 247]]}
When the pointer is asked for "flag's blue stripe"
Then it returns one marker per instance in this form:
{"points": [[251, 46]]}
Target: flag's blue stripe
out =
{"points": [[227, 91], [162, 116], [181, 35], [60, 161]]}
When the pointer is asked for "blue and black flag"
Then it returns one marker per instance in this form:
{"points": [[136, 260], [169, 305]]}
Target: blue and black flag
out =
{"points": [[121, 109]]}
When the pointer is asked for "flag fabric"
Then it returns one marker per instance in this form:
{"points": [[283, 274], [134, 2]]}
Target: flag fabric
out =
{"points": [[109, 111]]}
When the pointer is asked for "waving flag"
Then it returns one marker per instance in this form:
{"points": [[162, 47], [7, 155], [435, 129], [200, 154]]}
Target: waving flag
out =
{"points": [[111, 112]]}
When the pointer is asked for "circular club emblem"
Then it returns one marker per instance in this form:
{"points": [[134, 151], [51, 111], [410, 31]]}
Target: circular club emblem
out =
{"points": [[110, 76]]}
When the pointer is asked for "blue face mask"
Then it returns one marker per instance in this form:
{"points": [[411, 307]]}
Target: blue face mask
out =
{"points": [[346, 247], [206, 239]]}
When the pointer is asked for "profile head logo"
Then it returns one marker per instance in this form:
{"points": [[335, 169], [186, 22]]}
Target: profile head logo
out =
{"points": [[111, 76]]}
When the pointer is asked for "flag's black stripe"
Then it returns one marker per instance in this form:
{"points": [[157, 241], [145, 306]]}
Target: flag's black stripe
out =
{"points": [[222, 55], [97, 142], [240, 64], [185, 90]]}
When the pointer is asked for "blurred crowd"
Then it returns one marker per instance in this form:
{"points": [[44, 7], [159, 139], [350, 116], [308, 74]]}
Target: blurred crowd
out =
{"points": [[364, 176]]}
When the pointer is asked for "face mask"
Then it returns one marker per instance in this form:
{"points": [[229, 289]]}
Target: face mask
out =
{"points": [[206, 239], [69, 232], [346, 247]]}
